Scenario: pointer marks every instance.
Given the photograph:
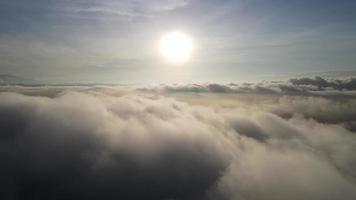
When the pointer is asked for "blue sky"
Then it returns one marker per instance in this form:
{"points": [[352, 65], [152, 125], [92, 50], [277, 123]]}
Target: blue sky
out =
{"points": [[116, 41]]}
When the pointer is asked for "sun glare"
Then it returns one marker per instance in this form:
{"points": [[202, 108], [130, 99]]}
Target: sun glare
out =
{"points": [[176, 46]]}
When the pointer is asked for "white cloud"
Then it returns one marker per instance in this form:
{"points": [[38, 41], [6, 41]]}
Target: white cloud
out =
{"points": [[105, 142]]}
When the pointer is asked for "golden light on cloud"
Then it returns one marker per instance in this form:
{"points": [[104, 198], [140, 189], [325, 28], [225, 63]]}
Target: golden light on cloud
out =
{"points": [[176, 47]]}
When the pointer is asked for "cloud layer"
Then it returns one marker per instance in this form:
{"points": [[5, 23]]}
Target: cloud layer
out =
{"points": [[123, 143], [297, 86]]}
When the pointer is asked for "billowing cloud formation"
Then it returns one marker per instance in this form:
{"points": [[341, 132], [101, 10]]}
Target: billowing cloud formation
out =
{"points": [[121, 143]]}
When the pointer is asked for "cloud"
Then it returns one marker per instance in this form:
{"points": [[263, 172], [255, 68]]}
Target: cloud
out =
{"points": [[129, 9], [304, 86], [320, 83], [110, 142], [134, 144], [320, 109]]}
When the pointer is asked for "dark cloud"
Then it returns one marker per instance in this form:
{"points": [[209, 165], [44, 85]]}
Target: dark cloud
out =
{"points": [[320, 83], [303, 86], [117, 142]]}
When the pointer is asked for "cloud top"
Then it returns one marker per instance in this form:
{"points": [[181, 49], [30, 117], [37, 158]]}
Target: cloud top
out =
{"points": [[119, 142]]}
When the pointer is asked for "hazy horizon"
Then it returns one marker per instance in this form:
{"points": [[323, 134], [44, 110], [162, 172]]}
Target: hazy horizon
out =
{"points": [[118, 41]]}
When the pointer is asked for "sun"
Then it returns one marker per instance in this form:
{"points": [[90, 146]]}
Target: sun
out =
{"points": [[176, 47]]}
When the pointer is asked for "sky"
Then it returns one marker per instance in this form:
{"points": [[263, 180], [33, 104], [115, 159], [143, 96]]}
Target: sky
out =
{"points": [[117, 41]]}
